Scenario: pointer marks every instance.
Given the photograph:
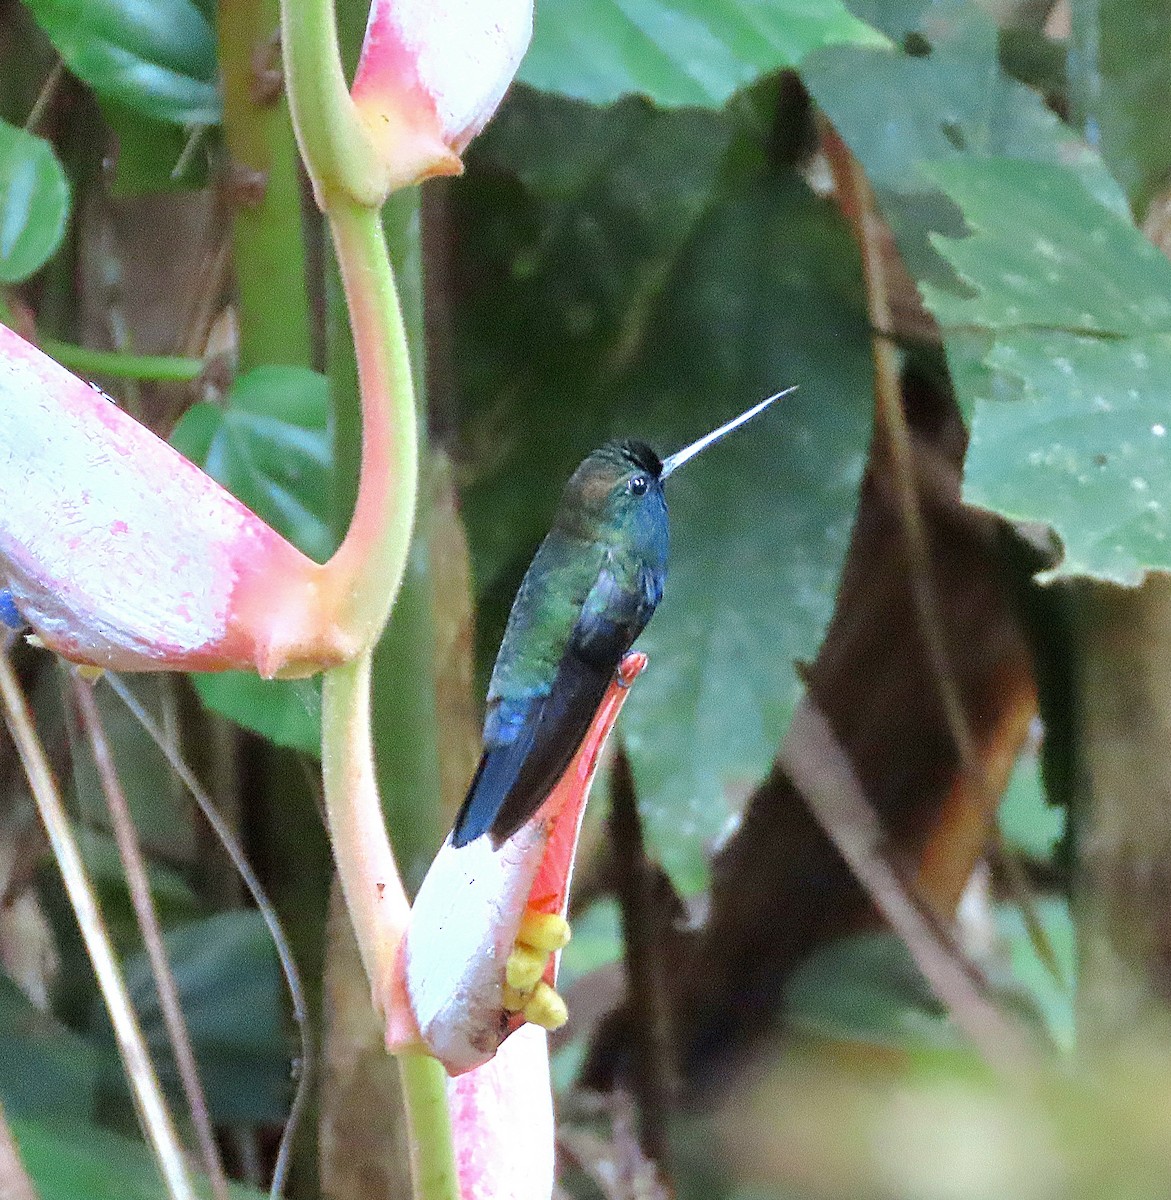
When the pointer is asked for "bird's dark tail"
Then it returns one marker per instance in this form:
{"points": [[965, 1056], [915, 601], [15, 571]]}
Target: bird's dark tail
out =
{"points": [[494, 776], [515, 778]]}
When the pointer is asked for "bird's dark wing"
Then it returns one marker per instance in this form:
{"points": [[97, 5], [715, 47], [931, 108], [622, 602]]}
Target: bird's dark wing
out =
{"points": [[515, 776]]}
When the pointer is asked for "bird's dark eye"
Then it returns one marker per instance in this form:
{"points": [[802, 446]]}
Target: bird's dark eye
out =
{"points": [[638, 485]]}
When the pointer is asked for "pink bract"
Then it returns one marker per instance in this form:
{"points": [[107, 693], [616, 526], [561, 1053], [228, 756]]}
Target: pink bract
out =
{"points": [[121, 553], [431, 74]]}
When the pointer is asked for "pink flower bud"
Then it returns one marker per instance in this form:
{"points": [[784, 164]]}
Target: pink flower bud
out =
{"points": [[431, 74]]}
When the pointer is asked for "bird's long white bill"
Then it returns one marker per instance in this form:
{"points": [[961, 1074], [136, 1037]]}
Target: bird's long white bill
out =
{"points": [[674, 461]]}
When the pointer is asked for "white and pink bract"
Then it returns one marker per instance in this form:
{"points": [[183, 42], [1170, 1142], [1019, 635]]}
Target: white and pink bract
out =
{"points": [[121, 553], [431, 74]]}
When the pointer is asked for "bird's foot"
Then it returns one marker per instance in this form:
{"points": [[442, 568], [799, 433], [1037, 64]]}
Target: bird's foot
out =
{"points": [[540, 935]]}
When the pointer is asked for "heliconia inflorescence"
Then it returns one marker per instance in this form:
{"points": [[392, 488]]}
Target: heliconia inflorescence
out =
{"points": [[121, 553], [431, 74]]}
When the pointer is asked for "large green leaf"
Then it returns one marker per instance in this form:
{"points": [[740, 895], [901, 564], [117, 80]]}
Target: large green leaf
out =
{"points": [[678, 52], [34, 203], [82, 1162], [672, 281], [157, 57], [1045, 253], [230, 990], [939, 96], [1063, 430], [1120, 76], [1070, 417], [269, 444]]}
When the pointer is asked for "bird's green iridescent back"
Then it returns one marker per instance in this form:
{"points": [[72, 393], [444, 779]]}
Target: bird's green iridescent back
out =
{"points": [[546, 609]]}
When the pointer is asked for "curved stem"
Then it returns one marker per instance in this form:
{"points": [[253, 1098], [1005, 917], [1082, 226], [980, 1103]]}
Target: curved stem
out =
{"points": [[363, 577], [374, 893], [368, 567], [337, 150]]}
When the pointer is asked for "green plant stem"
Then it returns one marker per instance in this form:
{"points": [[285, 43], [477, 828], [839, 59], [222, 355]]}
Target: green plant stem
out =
{"points": [[263, 189], [370, 562], [369, 876], [429, 1122], [403, 681], [162, 368], [368, 567], [144, 1083], [337, 150]]}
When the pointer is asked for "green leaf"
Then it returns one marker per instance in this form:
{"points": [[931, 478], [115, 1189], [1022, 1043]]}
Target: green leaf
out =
{"points": [[286, 711], [158, 58], [1082, 446], [83, 1162], [34, 203], [270, 446], [230, 990], [1044, 252], [46, 1069], [677, 52], [948, 101], [765, 296], [1120, 77], [867, 988], [662, 290], [1067, 428], [1063, 430]]}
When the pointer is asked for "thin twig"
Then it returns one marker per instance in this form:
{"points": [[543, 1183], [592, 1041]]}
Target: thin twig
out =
{"points": [[15, 1183], [817, 765], [45, 96], [891, 425], [304, 1066], [857, 200], [152, 936], [152, 1107]]}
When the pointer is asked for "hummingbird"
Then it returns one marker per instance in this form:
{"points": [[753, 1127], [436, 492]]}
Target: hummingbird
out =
{"points": [[590, 590]]}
